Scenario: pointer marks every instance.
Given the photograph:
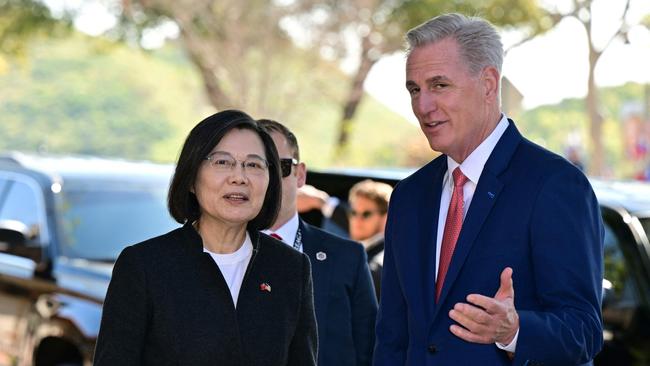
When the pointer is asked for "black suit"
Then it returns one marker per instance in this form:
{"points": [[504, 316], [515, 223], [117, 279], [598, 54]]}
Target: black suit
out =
{"points": [[345, 302], [375, 253], [168, 304]]}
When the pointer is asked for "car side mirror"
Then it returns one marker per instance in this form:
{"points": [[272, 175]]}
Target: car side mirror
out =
{"points": [[13, 234]]}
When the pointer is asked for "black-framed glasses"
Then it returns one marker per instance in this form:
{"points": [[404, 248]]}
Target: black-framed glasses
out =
{"points": [[363, 214], [286, 164], [223, 162]]}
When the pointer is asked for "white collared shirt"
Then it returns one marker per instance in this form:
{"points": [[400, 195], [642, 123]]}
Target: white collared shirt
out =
{"points": [[287, 231], [472, 168], [233, 266]]}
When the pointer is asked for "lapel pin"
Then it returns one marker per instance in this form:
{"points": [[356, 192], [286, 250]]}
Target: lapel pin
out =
{"points": [[321, 256], [265, 287], [491, 195]]}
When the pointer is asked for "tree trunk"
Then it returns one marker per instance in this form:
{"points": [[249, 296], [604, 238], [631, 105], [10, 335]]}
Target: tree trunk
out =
{"points": [[353, 100], [213, 90], [595, 119]]}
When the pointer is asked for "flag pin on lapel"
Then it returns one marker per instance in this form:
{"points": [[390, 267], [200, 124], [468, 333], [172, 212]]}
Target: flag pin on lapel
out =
{"points": [[321, 256], [265, 287], [491, 195]]}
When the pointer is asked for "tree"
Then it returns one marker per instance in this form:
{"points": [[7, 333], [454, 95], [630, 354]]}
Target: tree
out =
{"points": [[583, 11], [234, 45], [378, 26], [21, 20]]}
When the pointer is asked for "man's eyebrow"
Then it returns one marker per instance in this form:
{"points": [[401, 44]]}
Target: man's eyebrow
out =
{"points": [[410, 83], [436, 79]]}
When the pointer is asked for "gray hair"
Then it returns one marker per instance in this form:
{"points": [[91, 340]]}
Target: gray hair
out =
{"points": [[480, 44]]}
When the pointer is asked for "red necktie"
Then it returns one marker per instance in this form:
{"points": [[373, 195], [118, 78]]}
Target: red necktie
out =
{"points": [[274, 235], [453, 225]]}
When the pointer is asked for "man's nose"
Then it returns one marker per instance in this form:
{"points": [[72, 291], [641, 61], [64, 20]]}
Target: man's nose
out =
{"points": [[424, 104]]}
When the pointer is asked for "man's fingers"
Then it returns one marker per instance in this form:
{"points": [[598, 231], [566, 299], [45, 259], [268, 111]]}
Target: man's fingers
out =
{"points": [[465, 334], [475, 323], [490, 305], [506, 287]]}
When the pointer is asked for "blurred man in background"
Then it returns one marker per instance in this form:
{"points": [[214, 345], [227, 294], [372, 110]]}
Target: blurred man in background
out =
{"points": [[367, 219]]}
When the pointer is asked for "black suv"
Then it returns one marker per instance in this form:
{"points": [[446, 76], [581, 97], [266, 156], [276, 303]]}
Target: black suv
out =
{"points": [[625, 208], [63, 221]]}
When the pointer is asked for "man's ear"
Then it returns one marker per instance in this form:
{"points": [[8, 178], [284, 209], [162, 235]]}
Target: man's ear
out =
{"points": [[301, 174], [491, 80]]}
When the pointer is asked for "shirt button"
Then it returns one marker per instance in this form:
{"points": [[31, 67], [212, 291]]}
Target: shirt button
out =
{"points": [[432, 348]]}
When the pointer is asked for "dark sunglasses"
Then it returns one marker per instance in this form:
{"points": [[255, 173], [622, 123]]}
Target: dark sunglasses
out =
{"points": [[363, 214], [285, 166]]}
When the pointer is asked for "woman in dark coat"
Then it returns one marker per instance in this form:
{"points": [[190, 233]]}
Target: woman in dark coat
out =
{"points": [[215, 291]]}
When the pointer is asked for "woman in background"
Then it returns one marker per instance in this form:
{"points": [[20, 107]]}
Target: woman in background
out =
{"points": [[215, 291]]}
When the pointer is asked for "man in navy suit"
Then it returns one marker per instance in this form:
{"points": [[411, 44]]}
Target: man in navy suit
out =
{"points": [[344, 298], [493, 252]]}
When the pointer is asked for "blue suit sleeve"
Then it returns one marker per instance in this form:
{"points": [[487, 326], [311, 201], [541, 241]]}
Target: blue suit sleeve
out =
{"points": [[364, 312], [567, 254], [391, 331]]}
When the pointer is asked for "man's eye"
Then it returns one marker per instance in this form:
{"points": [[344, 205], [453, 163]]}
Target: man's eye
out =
{"points": [[439, 86], [413, 91]]}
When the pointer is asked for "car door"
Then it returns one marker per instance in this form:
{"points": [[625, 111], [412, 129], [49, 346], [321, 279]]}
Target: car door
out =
{"points": [[626, 313], [21, 201]]}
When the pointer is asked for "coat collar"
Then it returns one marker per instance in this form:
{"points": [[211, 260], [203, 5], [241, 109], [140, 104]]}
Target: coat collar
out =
{"points": [[195, 243], [485, 196]]}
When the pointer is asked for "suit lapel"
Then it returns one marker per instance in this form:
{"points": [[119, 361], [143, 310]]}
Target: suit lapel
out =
{"points": [[427, 218], [485, 196], [320, 268]]}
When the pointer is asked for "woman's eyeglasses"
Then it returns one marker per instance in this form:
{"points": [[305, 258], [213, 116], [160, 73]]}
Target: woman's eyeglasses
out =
{"points": [[223, 162], [286, 164], [363, 214]]}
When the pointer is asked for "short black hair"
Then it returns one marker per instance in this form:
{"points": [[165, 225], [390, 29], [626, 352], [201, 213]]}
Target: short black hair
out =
{"points": [[182, 203], [274, 126]]}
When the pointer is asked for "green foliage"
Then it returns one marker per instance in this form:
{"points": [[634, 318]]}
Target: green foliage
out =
{"points": [[502, 13], [80, 99], [551, 126], [22, 20], [87, 95]]}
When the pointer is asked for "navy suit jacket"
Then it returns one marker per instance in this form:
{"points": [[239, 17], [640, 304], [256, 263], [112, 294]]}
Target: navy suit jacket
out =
{"points": [[532, 211], [344, 298]]}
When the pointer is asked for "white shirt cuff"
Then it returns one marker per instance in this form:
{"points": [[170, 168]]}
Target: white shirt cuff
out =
{"points": [[510, 347]]}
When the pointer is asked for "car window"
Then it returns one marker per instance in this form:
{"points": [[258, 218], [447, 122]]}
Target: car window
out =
{"points": [[617, 272], [100, 219], [21, 203]]}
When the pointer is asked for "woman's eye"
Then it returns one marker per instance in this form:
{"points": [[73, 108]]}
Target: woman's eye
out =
{"points": [[221, 162]]}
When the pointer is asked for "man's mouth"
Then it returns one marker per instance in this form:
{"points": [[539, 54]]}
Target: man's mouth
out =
{"points": [[433, 124]]}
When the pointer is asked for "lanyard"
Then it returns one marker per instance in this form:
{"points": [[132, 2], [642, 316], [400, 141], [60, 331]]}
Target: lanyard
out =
{"points": [[297, 242]]}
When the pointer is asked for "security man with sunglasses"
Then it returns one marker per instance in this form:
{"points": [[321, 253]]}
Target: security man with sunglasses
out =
{"points": [[367, 220], [344, 297]]}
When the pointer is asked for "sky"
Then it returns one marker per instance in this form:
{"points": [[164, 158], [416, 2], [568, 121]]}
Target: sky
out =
{"points": [[545, 70], [550, 67]]}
